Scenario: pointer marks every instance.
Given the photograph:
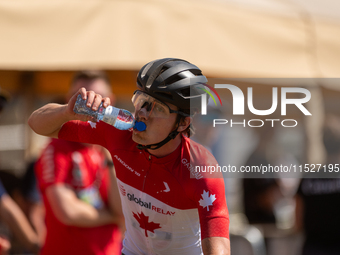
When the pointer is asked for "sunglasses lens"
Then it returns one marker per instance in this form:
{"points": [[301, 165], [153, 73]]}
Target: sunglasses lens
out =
{"points": [[155, 108], [160, 110]]}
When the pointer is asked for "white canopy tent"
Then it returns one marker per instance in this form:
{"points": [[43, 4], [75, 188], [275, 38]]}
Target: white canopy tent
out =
{"points": [[246, 38]]}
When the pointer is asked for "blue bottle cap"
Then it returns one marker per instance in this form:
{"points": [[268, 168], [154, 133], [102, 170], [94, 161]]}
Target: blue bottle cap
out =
{"points": [[140, 126]]}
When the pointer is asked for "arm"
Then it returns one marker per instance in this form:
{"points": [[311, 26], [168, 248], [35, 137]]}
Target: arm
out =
{"points": [[114, 197], [209, 194], [115, 203], [37, 217], [18, 223], [48, 119], [216, 246], [74, 212]]}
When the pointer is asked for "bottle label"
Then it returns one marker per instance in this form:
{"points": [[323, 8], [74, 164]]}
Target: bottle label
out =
{"points": [[110, 115], [125, 120]]}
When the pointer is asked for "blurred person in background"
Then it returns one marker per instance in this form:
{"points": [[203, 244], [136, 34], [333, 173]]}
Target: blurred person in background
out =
{"points": [[261, 194], [13, 216], [318, 199], [74, 180], [31, 202]]}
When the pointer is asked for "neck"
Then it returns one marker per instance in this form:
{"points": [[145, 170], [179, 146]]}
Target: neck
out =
{"points": [[167, 148]]}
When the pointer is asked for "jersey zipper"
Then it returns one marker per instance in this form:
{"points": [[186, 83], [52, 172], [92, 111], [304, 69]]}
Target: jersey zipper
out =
{"points": [[146, 174], [148, 245]]}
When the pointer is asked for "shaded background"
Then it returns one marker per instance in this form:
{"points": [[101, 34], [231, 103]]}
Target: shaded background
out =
{"points": [[43, 43]]}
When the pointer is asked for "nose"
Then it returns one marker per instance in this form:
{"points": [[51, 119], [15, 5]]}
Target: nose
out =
{"points": [[143, 113]]}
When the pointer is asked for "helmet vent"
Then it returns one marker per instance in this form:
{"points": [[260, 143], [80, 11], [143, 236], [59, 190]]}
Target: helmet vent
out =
{"points": [[146, 69], [185, 92], [164, 95], [196, 72], [164, 68], [172, 79]]}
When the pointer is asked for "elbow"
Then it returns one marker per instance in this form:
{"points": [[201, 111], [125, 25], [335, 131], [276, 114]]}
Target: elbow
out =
{"points": [[31, 123], [65, 217], [34, 122]]}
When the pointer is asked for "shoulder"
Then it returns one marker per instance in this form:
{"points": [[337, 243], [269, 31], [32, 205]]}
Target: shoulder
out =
{"points": [[57, 149], [94, 133], [194, 157], [63, 146], [197, 153]]}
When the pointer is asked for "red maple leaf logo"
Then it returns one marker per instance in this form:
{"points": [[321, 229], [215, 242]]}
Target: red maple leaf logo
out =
{"points": [[145, 224]]}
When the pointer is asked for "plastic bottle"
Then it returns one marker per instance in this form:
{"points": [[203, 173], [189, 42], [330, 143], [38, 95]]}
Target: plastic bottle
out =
{"points": [[119, 118]]}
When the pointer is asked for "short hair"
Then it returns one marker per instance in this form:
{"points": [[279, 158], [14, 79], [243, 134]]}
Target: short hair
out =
{"points": [[190, 130], [90, 75]]}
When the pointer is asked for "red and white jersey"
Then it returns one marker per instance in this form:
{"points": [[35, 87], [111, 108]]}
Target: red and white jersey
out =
{"points": [[82, 168], [168, 207]]}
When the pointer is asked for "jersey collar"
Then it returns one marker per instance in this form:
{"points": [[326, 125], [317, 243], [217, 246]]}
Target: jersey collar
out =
{"points": [[172, 156]]}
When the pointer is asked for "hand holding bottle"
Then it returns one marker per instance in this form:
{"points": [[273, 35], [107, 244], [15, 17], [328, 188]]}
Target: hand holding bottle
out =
{"points": [[119, 118], [92, 101]]}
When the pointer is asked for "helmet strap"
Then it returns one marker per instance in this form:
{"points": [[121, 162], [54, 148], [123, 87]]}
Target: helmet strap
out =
{"points": [[171, 136]]}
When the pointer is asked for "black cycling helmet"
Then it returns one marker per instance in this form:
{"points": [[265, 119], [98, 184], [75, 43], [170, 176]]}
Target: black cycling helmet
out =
{"points": [[173, 80]]}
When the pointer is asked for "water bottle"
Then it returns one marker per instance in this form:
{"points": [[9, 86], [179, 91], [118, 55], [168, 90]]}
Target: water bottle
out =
{"points": [[119, 118]]}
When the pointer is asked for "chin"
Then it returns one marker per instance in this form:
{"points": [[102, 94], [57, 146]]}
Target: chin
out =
{"points": [[137, 138]]}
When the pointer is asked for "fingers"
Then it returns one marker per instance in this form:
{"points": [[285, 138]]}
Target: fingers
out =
{"points": [[82, 92], [94, 100], [106, 101]]}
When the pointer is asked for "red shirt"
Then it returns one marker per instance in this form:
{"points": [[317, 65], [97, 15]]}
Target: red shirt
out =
{"points": [[82, 168], [168, 207]]}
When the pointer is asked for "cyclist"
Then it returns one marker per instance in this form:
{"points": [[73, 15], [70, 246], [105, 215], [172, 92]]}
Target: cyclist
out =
{"points": [[168, 207]]}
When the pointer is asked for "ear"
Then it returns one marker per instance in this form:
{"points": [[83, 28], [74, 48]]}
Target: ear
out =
{"points": [[184, 123]]}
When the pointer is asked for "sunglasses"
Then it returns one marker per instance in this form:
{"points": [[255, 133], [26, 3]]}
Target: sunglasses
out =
{"points": [[154, 107]]}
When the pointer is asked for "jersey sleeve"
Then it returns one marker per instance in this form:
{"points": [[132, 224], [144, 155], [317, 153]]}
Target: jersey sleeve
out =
{"points": [[52, 166], [208, 193], [88, 132], [209, 197]]}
